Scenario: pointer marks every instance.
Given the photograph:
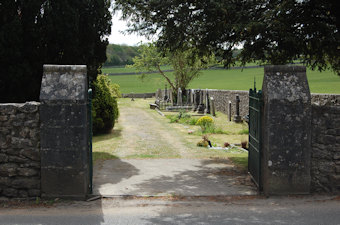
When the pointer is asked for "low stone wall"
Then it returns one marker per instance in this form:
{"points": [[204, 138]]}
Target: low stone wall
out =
{"points": [[222, 98], [325, 161], [20, 150], [138, 95]]}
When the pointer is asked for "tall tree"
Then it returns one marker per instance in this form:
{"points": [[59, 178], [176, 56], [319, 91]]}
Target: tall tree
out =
{"points": [[186, 64], [33, 33], [273, 31]]}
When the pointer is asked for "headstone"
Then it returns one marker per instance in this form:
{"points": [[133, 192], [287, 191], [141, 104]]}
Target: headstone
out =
{"points": [[196, 99], [165, 93], [188, 97], [191, 96], [207, 102], [179, 97], [286, 124], [229, 110], [64, 132], [171, 98], [200, 108], [237, 117], [159, 94], [212, 100]]}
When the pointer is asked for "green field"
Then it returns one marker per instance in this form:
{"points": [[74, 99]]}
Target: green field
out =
{"points": [[235, 79]]}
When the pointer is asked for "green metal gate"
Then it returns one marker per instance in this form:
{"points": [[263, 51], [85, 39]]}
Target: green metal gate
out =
{"points": [[254, 158], [90, 139]]}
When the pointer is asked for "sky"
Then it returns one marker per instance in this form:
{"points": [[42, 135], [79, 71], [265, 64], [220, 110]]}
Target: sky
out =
{"points": [[117, 37]]}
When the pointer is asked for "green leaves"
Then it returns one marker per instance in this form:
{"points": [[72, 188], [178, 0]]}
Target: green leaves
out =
{"points": [[105, 107], [274, 31]]}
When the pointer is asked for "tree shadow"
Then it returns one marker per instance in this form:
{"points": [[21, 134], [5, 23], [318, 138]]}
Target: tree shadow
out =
{"points": [[107, 136], [108, 172], [210, 178]]}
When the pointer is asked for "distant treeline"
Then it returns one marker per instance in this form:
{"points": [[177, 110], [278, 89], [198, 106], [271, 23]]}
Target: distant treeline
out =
{"points": [[120, 55]]}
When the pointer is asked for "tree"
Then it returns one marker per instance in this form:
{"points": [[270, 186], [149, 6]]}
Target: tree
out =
{"points": [[33, 33], [186, 64], [273, 31]]}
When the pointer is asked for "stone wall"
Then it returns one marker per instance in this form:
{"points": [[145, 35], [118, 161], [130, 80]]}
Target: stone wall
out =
{"points": [[222, 98], [138, 95], [325, 162], [19, 150]]}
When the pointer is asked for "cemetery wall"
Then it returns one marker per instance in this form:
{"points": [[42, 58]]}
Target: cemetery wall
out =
{"points": [[325, 159], [139, 95], [20, 150], [222, 98]]}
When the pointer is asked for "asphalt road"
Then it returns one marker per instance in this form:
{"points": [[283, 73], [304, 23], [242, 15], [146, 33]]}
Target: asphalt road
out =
{"points": [[233, 210]]}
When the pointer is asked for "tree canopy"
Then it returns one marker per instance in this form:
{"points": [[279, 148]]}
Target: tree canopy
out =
{"points": [[271, 31], [119, 55], [33, 33], [186, 64]]}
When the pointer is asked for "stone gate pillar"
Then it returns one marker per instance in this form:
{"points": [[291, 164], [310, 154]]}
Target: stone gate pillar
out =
{"points": [[286, 124], [64, 132]]}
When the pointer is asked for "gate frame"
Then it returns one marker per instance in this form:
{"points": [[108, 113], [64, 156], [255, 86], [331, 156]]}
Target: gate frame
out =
{"points": [[256, 98]]}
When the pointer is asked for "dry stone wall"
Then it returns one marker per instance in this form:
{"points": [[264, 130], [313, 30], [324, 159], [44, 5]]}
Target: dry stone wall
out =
{"points": [[222, 98], [325, 161], [20, 150]]}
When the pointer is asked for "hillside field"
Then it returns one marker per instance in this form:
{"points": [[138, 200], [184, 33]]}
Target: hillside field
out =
{"points": [[234, 79]]}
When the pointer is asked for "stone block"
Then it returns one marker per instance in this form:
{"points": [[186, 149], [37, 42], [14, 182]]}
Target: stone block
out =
{"points": [[60, 158], [3, 158], [5, 181], [27, 172], [10, 192], [16, 159], [337, 169], [65, 183], [64, 82], [8, 169], [328, 139], [63, 138], [33, 154], [26, 183], [63, 115]]}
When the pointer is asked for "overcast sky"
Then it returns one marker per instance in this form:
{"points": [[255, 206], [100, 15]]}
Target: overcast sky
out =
{"points": [[117, 37]]}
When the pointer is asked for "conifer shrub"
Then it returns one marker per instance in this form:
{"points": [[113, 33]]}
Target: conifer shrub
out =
{"points": [[104, 105]]}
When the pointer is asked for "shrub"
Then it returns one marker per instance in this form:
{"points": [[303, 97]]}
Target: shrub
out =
{"points": [[205, 121], [105, 108]]}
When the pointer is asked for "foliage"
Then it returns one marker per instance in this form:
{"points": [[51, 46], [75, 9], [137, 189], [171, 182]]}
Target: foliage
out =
{"points": [[119, 55], [182, 118], [272, 31], [186, 64], [205, 121], [105, 108], [33, 33], [115, 90]]}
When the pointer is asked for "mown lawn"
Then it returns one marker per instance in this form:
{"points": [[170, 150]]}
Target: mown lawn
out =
{"points": [[236, 79]]}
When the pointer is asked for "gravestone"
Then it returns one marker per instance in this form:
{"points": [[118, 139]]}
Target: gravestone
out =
{"points": [[165, 94], [64, 132], [179, 97], [159, 94], [213, 110], [237, 117], [171, 98], [207, 102], [200, 107], [229, 110], [286, 135], [188, 97]]}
